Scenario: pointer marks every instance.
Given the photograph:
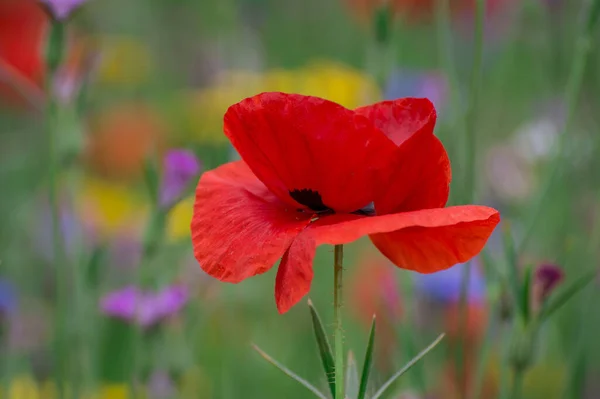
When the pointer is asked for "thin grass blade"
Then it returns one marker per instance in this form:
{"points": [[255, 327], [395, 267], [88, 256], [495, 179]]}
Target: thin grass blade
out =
{"points": [[408, 366], [289, 373], [324, 347], [526, 293], [364, 379], [513, 269]]}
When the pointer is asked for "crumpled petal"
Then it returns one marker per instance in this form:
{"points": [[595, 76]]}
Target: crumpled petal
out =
{"points": [[400, 119], [420, 174], [293, 142], [240, 229]]}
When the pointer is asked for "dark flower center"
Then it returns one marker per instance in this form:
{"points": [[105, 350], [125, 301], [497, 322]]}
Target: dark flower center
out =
{"points": [[312, 199]]}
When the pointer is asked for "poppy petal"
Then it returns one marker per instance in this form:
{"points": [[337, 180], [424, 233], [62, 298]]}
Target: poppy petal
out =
{"points": [[420, 177], [400, 119], [421, 173], [295, 272], [239, 228], [425, 241], [308, 151]]}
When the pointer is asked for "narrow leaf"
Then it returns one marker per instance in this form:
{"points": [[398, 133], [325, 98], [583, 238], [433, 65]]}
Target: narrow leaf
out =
{"points": [[565, 294], [324, 347], [351, 377], [408, 366], [289, 373], [364, 379], [526, 293], [152, 179], [513, 268]]}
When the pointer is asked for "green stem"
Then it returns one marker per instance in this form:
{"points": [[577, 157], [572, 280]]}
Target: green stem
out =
{"points": [[339, 331], [471, 114], [572, 91], [60, 257], [517, 386]]}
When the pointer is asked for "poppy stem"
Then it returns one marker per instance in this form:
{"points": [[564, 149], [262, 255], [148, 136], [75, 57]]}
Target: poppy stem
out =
{"points": [[338, 268]]}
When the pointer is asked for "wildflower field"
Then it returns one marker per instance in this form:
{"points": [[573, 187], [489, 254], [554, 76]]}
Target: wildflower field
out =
{"points": [[340, 199]]}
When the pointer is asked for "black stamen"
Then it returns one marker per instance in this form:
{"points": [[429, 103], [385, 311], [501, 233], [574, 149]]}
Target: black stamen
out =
{"points": [[309, 198], [368, 210]]}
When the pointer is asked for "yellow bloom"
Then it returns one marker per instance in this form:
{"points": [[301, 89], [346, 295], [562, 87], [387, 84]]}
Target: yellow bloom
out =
{"points": [[113, 391], [111, 208], [205, 108], [24, 387], [124, 61], [178, 225]]}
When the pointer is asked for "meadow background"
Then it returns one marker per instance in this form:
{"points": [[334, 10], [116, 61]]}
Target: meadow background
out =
{"points": [[152, 75]]}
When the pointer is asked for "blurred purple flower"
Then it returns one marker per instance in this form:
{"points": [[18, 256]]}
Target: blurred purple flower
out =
{"points": [[61, 9], [180, 168], [431, 85], [547, 278], [8, 298], [444, 286], [145, 308]]}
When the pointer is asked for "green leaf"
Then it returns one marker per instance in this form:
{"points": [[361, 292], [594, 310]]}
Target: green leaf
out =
{"points": [[152, 179], [566, 293], [526, 293], [324, 347], [351, 377], [408, 366], [289, 373], [513, 268], [364, 379]]}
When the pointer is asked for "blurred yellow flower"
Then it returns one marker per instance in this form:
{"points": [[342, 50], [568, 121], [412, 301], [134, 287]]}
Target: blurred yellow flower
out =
{"points": [[112, 391], [110, 208], [178, 225], [204, 109], [23, 387], [124, 61]]}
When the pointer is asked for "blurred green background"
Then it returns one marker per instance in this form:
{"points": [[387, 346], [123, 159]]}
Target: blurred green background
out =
{"points": [[152, 75]]}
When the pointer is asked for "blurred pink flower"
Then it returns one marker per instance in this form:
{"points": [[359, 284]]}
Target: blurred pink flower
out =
{"points": [[145, 308], [61, 10]]}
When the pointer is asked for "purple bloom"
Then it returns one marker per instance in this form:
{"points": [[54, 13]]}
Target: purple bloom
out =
{"points": [[444, 286], [61, 9], [431, 85], [145, 308], [180, 168], [8, 298]]}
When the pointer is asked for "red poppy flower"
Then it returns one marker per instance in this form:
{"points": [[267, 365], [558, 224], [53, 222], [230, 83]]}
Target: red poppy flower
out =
{"points": [[314, 172], [22, 27]]}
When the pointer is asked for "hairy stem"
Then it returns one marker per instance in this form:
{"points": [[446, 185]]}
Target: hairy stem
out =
{"points": [[339, 331]]}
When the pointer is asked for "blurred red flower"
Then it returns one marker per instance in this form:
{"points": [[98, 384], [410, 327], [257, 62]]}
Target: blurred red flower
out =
{"points": [[22, 28], [314, 172]]}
